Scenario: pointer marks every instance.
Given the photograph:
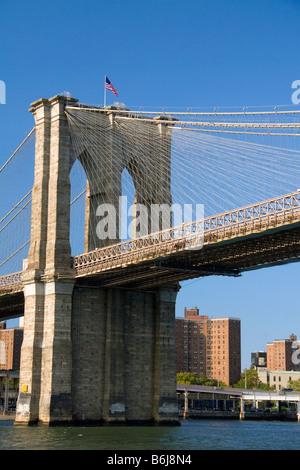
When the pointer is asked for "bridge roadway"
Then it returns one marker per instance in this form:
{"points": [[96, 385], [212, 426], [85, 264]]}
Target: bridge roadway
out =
{"points": [[245, 394], [252, 237], [219, 393]]}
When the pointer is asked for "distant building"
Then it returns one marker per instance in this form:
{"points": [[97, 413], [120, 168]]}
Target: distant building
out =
{"points": [[280, 354], [209, 346], [259, 360], [10, 347], [191, 337]]}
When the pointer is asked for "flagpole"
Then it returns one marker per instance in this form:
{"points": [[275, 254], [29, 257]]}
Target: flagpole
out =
{"points": [[104, 92]]}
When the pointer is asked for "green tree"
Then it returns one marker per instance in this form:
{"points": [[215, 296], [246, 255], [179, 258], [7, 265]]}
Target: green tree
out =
{"points": [[250, 380], [190, 378], [202, 379], [263, 386], [294, 384], [186, 378], [214, 383]]}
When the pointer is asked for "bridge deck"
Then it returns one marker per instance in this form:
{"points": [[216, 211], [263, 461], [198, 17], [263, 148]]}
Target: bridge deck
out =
{"points": [[252, 237]]}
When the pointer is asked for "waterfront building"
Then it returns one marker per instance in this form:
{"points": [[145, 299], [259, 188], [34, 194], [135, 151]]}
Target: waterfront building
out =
{"points": [[209, 346], [10, 347], [279, 379]]}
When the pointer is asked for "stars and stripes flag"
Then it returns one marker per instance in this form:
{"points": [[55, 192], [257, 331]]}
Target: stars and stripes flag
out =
{"points": [[110, 87]]}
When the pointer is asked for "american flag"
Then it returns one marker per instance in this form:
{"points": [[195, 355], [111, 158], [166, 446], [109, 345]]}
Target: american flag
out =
{"points": [[110, 87]]}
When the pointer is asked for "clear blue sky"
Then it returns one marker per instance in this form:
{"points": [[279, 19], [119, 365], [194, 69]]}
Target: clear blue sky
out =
{"points": [[167, 53]]}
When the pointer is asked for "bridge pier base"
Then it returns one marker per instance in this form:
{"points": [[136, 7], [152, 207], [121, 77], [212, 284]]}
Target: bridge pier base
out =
{"points": [[46, 359], [55, 404], [98, 356], [30, 372], [124, 356]]}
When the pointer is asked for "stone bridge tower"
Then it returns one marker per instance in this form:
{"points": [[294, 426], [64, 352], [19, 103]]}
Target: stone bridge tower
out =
{"points": [[90, 354]]}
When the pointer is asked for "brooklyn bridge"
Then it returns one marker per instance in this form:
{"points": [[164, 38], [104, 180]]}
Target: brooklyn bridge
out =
{"points": [[206, 193]]}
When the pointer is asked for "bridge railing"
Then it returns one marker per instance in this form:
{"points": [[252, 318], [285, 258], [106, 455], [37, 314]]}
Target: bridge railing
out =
{"points": [[255, 218], [11, 283], [192, 236], [186, 236]]}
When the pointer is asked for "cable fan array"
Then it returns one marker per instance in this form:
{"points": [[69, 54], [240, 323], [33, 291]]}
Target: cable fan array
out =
{"points": [[16, 181], [221, 161]]}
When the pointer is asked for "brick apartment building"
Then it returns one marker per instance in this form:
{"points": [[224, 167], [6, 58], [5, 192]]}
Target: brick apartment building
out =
{"points": [[10, 347], [209, 346], [280, 354]]}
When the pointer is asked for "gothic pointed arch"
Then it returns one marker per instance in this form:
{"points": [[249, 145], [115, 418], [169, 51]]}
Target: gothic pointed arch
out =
{"points": [[79, 185]]}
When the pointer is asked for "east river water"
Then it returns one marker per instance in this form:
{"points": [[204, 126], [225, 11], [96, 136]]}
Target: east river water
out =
{"points": [[191, 435]]}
